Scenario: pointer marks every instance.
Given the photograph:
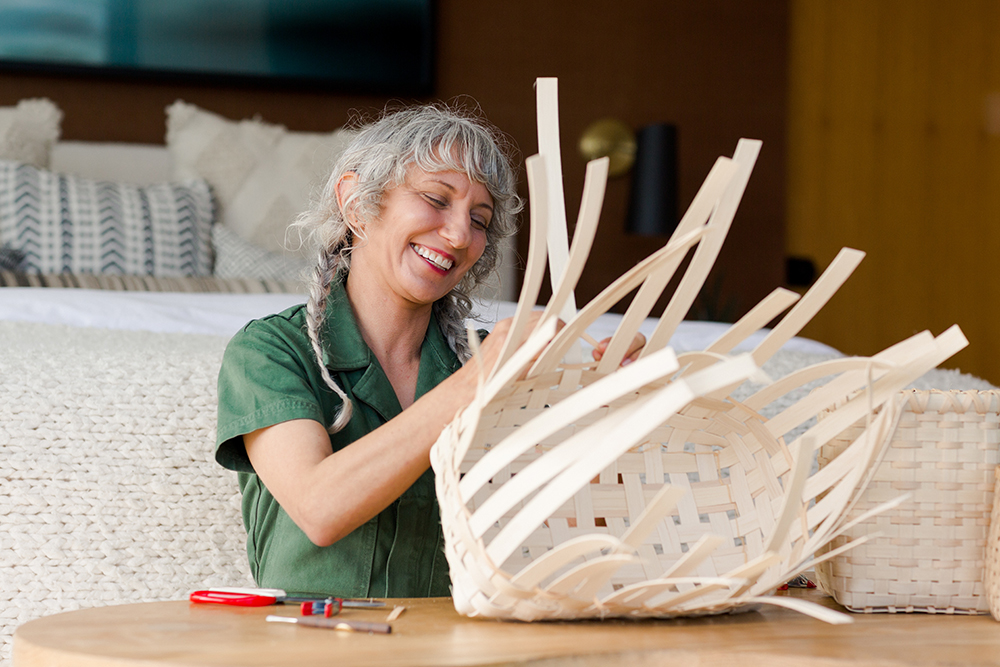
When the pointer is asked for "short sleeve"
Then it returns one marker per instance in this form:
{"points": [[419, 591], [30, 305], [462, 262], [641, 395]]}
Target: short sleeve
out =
{"points": [[266, 378]]}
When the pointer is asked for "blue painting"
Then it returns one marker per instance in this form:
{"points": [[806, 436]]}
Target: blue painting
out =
{"points": [[365, 45]]}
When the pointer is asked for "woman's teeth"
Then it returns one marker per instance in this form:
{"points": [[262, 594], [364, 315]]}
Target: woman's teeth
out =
{"points": [[437, 260]]}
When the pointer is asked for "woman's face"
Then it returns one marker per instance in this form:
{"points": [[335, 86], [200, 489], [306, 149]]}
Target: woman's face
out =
{"points": [[431, 231]]}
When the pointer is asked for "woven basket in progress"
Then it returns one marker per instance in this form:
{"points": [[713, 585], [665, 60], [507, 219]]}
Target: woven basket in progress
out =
{"points": [[582, 490]]}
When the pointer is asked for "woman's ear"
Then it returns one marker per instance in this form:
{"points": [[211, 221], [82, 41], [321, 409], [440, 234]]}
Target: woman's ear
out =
{"points": [[345, 186]]}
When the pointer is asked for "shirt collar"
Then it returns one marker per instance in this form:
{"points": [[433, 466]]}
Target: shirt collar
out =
{"points": [[344, 349]]}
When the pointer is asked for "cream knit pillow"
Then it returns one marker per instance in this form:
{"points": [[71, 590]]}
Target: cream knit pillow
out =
{"points": [[28, 130], [262, 175]]}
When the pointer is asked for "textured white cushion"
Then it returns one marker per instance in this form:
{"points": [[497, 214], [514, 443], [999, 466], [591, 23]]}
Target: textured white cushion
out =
{"points": [[110, 492], [69, 224], [262, 174], [28, 131]]}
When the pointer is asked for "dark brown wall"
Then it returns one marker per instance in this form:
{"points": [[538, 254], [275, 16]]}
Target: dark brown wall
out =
{"points": [[716, 68]]}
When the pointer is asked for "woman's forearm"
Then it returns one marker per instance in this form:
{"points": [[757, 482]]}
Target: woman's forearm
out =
{"points": [[329, 494]]}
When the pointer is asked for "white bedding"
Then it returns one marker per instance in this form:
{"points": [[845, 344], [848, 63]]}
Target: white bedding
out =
{"points": [[225, 314]]}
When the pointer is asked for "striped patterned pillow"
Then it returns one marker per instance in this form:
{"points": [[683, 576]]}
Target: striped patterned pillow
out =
{"points": [[10, 258], [236, 258], [66, 224]]}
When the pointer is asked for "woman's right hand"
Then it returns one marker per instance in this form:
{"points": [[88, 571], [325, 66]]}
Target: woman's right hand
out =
{"points": [[493, 345]]}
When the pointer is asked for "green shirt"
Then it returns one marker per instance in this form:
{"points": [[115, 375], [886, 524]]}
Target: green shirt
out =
{"points": [[269, 375]]}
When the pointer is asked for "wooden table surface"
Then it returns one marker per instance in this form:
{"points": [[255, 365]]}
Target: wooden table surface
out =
{"points": [[430, 632]]}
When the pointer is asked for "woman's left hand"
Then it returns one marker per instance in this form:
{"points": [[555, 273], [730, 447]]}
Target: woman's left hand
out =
{"points": [[634, 348]]}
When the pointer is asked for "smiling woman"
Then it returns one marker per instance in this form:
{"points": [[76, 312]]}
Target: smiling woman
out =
{"points": [[328, 410], [431, 232], [396, 167]]}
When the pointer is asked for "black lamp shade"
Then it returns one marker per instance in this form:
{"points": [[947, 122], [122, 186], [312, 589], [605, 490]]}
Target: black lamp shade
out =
{"points": [[652, 207]]}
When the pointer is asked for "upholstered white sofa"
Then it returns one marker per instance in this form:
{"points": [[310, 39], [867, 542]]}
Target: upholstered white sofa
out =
{"points": [[108, 490]]}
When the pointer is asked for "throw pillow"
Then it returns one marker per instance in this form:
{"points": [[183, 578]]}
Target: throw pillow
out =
{"points": [[10, 258], [28, 130], [262, 174], [69, 224], [238, 258]]}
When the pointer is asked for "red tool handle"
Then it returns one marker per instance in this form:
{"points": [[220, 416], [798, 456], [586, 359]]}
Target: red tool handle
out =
{"points": [[236, 599]]}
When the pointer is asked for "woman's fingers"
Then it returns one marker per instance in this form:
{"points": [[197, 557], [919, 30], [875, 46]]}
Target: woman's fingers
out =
{"points": [[493, 344], [502, 330], [634, 348]]}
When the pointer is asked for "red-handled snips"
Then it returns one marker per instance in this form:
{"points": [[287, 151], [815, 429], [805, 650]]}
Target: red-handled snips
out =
{"points": [[236, 599], [253, 597], [330, 606]]}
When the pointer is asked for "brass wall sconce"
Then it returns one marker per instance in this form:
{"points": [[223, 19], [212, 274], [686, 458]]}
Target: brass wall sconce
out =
{"points": [[612, 139]]}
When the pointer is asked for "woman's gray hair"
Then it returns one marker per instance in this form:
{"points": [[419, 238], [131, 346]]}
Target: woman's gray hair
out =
{"points": [[432, 138]]}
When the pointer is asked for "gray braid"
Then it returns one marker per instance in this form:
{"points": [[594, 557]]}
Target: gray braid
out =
{"points": [[451, 313], [327, 270]]}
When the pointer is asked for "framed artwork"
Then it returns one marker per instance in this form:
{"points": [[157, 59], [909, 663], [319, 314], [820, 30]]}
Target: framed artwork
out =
{"points": [[377, 46]]}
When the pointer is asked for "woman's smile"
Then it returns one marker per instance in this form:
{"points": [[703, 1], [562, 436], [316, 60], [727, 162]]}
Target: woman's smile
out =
{"points": [[440, 261]]}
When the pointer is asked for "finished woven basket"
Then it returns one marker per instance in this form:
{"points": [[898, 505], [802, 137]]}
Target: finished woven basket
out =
{"points": [[929, 553], [991, 576], [587, 490]]}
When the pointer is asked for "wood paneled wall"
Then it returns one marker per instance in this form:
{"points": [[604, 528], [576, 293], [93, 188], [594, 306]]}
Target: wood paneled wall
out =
{"points": [[894, 148], [716, 68]]}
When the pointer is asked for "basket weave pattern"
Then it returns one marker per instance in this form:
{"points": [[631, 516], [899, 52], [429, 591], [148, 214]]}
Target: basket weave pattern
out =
{"points": [[992, 575], [929, 552], [717, 457]]}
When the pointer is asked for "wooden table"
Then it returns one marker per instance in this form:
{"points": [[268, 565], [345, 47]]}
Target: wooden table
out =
{"points": [[431, 633]]}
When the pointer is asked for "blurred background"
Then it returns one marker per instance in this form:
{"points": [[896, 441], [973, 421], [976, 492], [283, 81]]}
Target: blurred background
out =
{"points": [[880, 121]]}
